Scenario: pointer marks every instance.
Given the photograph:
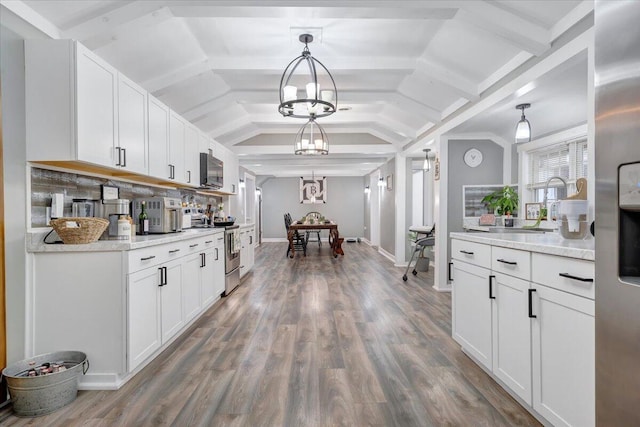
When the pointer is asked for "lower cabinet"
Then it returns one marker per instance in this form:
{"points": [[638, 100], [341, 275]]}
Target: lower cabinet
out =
{"points": [[213, 258], [538, 340], [563, 357], [145, 333], [191, 283], [247, 248]]}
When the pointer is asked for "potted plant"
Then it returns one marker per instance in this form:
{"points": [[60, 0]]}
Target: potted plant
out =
{"points": [[503, 202]]}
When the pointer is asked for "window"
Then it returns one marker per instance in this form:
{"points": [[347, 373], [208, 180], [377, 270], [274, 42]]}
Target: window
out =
{"points": [[568, 160]]}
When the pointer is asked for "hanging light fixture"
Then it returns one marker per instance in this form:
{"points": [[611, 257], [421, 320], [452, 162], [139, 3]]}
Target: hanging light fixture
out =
{"points": [[241, 184], [317, 102], [426, 166], [523, 128], [381, 182], [311, 139], [367, 190]]}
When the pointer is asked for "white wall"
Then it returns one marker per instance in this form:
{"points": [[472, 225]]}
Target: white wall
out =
{"points": [[14, 182], [345, 205]]}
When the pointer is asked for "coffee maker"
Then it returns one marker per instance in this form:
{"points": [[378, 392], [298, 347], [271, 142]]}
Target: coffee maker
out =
{"points": [[112, 210]]}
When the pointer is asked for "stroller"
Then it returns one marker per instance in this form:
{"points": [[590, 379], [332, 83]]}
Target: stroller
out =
{"points": [[422, 243]]}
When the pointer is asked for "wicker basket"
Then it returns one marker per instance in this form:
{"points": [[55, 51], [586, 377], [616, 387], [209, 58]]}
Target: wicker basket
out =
{"points": [[76, 231]]}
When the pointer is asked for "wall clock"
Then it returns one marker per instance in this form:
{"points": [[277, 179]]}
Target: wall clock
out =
{"points": [[473, 157]]}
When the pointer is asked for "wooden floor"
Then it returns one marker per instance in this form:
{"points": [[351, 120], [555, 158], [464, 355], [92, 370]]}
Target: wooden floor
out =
{"points": [[312, 341]]}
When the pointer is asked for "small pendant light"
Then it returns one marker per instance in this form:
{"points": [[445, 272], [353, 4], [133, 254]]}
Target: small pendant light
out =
{"points": [[523, 128], [426, 166]]}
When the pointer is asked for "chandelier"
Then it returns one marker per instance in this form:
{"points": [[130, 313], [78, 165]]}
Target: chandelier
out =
{"points": [[315, 102], [311, 139]]}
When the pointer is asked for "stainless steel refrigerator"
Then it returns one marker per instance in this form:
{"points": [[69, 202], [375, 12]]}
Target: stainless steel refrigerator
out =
{"points": [[617, 162]]}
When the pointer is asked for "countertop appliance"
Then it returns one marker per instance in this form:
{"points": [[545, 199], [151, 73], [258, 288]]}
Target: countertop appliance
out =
{"points": [[211, 171], [617, 203], [231, 259], [112, 210], [165, 213]]}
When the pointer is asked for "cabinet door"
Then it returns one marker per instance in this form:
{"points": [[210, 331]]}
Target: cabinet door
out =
{"points": [[208, 275], [191, 293], [171, 300], [191, 156], [244, 252], [144, 315], [563, 357], [231, 172], [251, 248], [158, 139], [512, 334], [471, 310], [132, 127], [176, 147], [218, 273], [96, 112]]}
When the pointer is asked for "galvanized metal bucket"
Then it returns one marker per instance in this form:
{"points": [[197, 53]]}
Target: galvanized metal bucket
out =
{"points": [[422, 264], [41, 395]]}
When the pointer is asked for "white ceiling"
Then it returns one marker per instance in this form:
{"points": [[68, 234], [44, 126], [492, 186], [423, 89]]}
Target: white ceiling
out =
{"points": [[402, 68]]}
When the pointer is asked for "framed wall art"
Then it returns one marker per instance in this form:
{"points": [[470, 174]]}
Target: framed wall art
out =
{"points": [[390, 182], [313, 190], [533, 210]]}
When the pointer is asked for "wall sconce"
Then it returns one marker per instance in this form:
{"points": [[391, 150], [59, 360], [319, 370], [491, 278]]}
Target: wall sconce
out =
{"points": [[241, 185], [523, 128], [367, 190], [426, 166], [381, 182]]}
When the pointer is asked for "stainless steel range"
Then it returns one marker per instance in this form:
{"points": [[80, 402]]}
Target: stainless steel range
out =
{"points": [[231, 259]]}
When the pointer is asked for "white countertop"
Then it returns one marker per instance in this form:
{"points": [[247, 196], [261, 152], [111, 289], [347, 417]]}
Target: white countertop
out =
{"points": [[35, 241], [548, 243]]}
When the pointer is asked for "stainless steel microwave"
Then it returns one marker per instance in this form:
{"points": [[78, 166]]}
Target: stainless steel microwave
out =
{"points": [[211, 171]]}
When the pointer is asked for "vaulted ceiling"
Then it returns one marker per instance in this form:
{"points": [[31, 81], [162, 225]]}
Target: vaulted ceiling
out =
{"points": [[401, 67]]}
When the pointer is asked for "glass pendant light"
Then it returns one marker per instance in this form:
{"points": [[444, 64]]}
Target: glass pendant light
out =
{"points": [[523, 128], [426, 166]]}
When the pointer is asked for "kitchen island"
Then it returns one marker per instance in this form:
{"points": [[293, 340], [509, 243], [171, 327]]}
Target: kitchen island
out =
{"points": [[523, 309], [121, 302]]}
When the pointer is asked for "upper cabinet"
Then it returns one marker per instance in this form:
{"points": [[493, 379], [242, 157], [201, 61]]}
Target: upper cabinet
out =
{"points": [[79, 109]]}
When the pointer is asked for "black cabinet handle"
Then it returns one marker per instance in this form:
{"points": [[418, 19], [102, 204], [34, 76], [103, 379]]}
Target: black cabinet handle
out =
{"points": [[504, 261], [569, 276], [203, 261], [194, 245], [491, 287], [217, 254], [208, 241], [531, 315], [174, 251], [172, 172], [118, 163], [189, 175], [449, 278], [147, 258], [467, 252], [124, 156], [251, 240], [163, 276]]}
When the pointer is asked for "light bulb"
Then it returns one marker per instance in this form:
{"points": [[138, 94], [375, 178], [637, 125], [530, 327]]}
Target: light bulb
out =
{"points": [[312, 90]]}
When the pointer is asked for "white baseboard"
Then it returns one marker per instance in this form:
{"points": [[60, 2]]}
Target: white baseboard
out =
{"points": [[274, 240], [388, 255]]}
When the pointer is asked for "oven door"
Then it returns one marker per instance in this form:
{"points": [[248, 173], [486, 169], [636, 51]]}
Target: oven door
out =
{"points": [[231, 281]]}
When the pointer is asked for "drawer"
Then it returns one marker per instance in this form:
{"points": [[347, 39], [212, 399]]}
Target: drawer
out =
{"points": [[572, 275], [511, 261], [140, 259], [471, 252]]}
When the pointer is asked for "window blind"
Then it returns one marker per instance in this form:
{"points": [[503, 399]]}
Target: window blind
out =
{"points": [[568, 160]]}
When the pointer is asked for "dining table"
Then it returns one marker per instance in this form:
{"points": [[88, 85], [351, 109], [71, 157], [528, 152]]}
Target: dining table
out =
{"points": [[335, 241]]}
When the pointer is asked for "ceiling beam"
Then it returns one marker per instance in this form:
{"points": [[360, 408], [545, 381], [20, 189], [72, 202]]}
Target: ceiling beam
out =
{"points": [[455, 82], [359, 149], [513, 28], [31, 17]]}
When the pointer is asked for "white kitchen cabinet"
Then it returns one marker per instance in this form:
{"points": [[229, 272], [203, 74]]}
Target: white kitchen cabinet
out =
{"points": [[191, 292], [70, 103], [563, 357], [212, 273], [171, 299], [537, 334], [230, 169], [144, 311], [191, 155], [177, 129], [132, 150], [158, 122], [471, 307], [247, 247], [512, 333]]}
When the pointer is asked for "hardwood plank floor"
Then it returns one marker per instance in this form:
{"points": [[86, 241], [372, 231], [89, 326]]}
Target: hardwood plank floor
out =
{"points": [[310, 341]]}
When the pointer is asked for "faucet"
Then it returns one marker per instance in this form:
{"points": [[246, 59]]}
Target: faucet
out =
{"points": [[546, 191]]}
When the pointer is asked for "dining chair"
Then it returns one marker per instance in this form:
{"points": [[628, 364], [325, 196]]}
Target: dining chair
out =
{"points": [[316, 216], [299, 241]]}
